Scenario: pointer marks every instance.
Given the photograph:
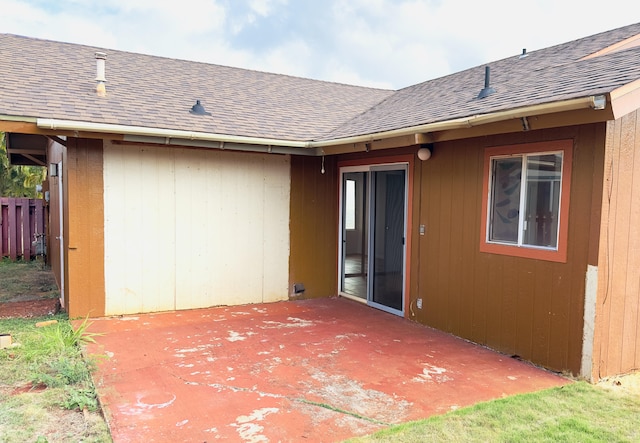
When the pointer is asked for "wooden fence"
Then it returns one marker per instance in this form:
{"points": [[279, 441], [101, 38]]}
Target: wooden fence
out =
{"points": [[22, 223]]}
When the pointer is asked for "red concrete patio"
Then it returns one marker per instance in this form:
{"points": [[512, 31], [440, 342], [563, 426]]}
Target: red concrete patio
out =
{"points": [[316, 370]]}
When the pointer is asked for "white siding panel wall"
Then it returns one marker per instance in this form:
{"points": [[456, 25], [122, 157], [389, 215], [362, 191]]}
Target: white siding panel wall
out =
{"points": [[189, 228]]}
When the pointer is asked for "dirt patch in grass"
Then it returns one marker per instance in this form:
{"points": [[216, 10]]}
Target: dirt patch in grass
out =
{"points": [[26, 281], [29, 309], [623, 384], [28, 290]]}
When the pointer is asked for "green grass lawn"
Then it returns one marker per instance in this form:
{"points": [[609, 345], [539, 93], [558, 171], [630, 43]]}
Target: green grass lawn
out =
{"points": [[578, 412], [46, 392]]}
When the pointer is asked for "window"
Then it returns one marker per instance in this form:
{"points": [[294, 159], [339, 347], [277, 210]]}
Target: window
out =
{"points": [[350, 204], [526, 200]]}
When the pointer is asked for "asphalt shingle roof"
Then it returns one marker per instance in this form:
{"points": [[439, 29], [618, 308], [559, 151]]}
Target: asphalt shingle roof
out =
{"points": [[544, 76], [46, 79]]}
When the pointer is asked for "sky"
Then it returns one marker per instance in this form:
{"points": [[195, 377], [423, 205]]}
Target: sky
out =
{"points": [[377, 43]]}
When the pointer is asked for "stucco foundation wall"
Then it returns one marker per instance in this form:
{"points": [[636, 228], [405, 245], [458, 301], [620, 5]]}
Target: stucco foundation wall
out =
{"points": [[187, 228]]}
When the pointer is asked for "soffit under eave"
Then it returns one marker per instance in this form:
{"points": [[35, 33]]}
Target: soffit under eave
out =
{"points": [[506, 126], [27, 149]]}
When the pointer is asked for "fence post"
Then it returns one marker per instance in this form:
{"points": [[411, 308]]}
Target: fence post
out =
{"points": [[13, 230], [4, 227]]}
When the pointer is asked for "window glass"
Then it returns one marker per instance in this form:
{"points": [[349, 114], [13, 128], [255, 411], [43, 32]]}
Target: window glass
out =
{"points": [[540, 224], [505, 199], [350, 204]]}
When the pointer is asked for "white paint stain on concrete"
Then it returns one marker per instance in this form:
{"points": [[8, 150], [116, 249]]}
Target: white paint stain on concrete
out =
{"points": [[182, 351], [431, 373], [235, 336], [293, 323], [233, 314], [141, 406], [182, 423], [347, 394], [349, 336], [198, 348], [248, 429], [300, 322]]}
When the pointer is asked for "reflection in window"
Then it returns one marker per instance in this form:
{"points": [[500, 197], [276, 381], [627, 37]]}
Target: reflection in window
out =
{"points": [[350, 204]]}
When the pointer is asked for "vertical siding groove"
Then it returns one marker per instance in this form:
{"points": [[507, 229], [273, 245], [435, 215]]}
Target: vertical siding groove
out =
{"points": [[530, 308], [617, 336], [191, 228]]}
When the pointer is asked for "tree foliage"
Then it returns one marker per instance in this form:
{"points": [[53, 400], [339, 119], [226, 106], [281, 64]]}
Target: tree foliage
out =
{"points": [[16, 180]]}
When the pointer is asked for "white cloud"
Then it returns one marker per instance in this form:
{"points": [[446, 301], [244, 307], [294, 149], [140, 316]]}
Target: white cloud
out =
{"points": [[265, 7], [24, 19]]}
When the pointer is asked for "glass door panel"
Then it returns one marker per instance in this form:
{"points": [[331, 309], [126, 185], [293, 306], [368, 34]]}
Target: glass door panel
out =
{"points": [[355, 231], [388, 238]]}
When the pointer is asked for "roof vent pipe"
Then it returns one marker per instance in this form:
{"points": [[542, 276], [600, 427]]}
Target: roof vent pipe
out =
{"points": [[198, 109], [524, 53], [101, 88], [488, 90]]}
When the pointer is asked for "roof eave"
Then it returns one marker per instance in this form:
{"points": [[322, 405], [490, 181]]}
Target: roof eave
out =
{"points": [[463, 127], [609, 107]]}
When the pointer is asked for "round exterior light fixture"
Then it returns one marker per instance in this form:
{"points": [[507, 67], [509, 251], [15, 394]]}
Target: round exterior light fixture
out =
{"points": [[424, 154]]}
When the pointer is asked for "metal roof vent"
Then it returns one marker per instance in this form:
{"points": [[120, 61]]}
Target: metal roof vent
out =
{"points": [[198, 109], [101, 61], [524, 53], [487, 90]]}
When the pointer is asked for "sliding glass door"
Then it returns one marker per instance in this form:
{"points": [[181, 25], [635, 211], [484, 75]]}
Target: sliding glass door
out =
{"points": [[373, 233]]}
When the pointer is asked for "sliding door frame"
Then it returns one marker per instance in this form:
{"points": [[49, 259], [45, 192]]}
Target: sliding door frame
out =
{"points": [[403, 162]]}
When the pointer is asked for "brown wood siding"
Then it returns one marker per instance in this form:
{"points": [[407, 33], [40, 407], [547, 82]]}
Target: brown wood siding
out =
{"points": [[84, 228], [519, 306], [617, 334], [55, 154], [313, 259]]}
